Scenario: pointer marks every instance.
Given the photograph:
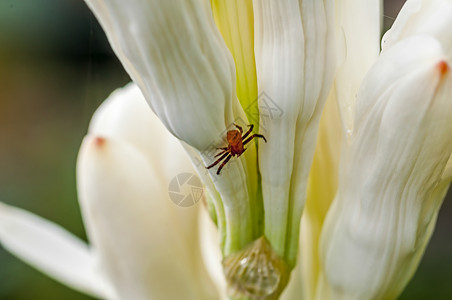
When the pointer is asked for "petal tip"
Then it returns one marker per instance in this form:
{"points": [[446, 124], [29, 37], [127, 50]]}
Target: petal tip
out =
{"points": [[443, 68], [99, 142], [95, 143]]}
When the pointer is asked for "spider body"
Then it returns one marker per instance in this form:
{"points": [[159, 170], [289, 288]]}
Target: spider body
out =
{"points": [[236, 143]]}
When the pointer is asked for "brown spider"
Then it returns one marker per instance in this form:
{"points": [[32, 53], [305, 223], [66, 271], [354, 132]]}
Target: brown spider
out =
{"points": [[235, 145]]}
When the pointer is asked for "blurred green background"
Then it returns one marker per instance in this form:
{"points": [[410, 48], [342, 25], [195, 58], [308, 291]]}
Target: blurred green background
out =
{"points": [[56, 67]]}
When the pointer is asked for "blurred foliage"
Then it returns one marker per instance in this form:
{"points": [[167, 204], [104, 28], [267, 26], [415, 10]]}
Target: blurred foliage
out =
{"points": [[56, 67]]}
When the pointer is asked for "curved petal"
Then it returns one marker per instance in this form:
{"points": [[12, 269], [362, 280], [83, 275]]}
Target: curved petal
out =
{"points": [[322, 186], [175, 54], [358, 31], [126, 117], [129, 219], [295, 68], [423, 17], [52, 250], [390, 187], [125, 121]]}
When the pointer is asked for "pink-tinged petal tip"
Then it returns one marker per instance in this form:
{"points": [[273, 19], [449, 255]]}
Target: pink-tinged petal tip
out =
{"points": [[99, 141], [443, 68]]}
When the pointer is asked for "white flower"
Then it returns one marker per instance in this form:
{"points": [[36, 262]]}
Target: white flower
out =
{"points": [[380, 171]]}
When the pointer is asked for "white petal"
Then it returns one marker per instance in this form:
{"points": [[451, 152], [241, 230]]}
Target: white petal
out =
{"points": [[322, 187], [126, 117], [52, 250], [423, 17], [358, 26], [176, 55], [295, 67], [390, 187], [211, 252], [131, 220]]}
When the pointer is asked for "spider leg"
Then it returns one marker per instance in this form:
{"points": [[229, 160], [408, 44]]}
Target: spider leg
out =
{"points": [[251, 126], [222, 148], [218, 160], [252, 137], [239, 128], [222, 151], [222, 164]]}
